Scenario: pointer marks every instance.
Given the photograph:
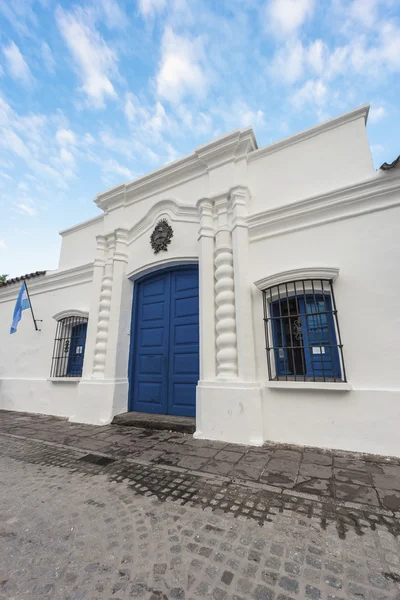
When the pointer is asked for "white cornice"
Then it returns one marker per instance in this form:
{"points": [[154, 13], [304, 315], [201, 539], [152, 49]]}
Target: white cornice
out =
{"points": [[329, 273], [170, 208], [53, 280], [72, 312], [348, 117], [229, 147], [82, 225], [375, 194]]}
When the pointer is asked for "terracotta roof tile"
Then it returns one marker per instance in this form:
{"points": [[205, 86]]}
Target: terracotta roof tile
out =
{"points": [[26, 276]]}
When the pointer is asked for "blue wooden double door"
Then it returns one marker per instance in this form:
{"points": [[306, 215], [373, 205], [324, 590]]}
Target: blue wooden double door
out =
{"points": [[165, 342]]}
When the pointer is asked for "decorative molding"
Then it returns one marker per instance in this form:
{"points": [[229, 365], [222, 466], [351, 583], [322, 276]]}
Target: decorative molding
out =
{"points": [[230, 147], [121, 243], [205, 207], [100, 350], [64, 314], [52, 281], [347, 117], [99, 260], [161, 264], [225, 313], [64, 379], [296, 275], [82, 225], [239, 200], [375, 194], [174, 210], [331, 386]]}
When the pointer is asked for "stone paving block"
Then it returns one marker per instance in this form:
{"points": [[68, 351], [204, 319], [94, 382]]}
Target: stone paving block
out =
{"points": [[352, 476], [246, 472], [319, 487], [309, 470], [192, 462], [386, 482], [229, 456], [356, 493]]}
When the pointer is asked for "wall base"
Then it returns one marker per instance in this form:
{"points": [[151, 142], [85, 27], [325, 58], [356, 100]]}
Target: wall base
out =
{"points": [[230, 412], [100, 400], [357, 421]]}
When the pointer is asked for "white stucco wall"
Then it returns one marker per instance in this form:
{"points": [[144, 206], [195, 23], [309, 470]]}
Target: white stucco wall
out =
{"points": [[25, 356], [367, 252], [313, 162], [78, 244]]}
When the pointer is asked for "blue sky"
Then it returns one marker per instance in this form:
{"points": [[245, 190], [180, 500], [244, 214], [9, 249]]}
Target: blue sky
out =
{"points": [[99, 92]]}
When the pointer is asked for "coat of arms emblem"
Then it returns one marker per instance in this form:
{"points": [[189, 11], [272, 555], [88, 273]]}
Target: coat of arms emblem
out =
{"points": [[161, 236]]}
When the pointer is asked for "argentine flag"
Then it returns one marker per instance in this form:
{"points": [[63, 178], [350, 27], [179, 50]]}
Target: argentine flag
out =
{"points": [[21, 304]]}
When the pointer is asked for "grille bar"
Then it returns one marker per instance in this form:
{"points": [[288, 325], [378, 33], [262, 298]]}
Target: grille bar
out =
{"points": [[69, 347], [302, 334]]}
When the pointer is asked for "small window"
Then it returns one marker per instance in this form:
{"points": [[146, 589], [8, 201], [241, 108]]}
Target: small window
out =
{"points": [[69, 347], [302, 332]]}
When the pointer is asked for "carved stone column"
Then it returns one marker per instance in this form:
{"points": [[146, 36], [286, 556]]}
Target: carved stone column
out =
{"points": [[225, 297], [118, 312], [98, 274], [100, 350], [206, 290]]}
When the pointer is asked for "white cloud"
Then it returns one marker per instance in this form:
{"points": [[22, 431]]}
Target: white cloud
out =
{"points": [[149, 8], [66, 137], [26, 206], [48, 58], [16, 64], [180, 73], [67, 158], [376, 114], [94, 60], [113, 13], [288, 62], [285, 17], [3, 244], [88, 139], [198, 122], [11, 141], [316, 55], [112, 166], [152, 119], [313, 91]]}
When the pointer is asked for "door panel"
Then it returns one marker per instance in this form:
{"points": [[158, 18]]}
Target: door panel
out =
{"points": [[166, 346], [151, 347], [184, 343], [76, 350]]}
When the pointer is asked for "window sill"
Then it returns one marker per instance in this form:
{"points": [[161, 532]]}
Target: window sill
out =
{"points": [[64, 379], [336, 386]]}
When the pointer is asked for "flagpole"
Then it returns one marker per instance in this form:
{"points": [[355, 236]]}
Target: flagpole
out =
{"points": [[30, 305]]}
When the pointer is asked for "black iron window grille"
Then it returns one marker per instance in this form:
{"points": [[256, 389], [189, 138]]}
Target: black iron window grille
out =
{"points": [[302, 332], [69, 347]]}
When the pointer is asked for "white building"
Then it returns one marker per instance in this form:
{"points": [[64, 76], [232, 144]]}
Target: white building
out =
{"points": [[271, 314]]}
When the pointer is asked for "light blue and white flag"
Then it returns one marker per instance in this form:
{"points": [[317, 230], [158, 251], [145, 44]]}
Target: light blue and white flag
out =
{"points": [[21, 304]]}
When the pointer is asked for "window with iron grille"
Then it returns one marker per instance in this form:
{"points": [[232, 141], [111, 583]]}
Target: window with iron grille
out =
{"points": [[69, 347], [302, 332]]}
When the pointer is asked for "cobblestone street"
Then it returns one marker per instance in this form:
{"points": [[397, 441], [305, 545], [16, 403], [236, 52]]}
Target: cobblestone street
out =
{"points": [[79, 524]]}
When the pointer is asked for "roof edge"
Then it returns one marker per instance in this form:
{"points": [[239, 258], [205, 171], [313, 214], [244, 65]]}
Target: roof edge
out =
{"points": [[202, 158], [81, 225], [348, 117]]}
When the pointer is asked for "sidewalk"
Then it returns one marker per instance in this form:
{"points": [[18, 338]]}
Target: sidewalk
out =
{"points": [[319, 474]]}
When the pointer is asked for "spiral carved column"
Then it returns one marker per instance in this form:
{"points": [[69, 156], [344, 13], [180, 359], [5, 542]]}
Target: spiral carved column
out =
{"points": [[225, 313], [100, 351]]}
